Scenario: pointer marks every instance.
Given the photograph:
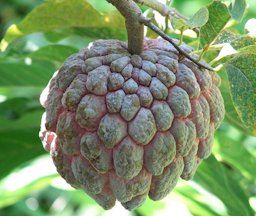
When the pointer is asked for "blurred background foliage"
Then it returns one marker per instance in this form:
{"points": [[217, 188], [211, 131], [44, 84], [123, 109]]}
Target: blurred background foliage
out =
{"points": [[225, 183]]}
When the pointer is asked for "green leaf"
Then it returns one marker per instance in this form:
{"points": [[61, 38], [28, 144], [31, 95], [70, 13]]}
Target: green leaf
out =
{"points": [[150, 206], [211, 54], [101, 6], [242, 77], [237, 9], [54, 53], [199, 19], [179, 24], [217, 179], [102, 32], [84, 35], [234, 152], [234, 44], [19, 73], [251, 49], [19, 141], [11, 197], [16, 107], [197, 202], [242, 42], [231, 113], [226, 36], [20, 92], [55, 14], [218, 18]]}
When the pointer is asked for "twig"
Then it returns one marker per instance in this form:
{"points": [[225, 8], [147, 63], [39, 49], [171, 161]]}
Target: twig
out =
{"points": [[135, 30], [165, 10], [161, 8], [147, 22]]}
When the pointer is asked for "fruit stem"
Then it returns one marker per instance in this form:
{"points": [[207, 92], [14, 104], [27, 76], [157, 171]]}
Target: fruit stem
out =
{"points": [[135, 29]]}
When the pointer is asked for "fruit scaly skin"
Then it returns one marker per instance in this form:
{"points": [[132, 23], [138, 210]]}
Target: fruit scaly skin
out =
{"points": [[122, 126]]}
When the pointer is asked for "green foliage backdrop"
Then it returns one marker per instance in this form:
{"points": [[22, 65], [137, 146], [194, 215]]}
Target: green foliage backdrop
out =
{"points": [[34, 46]]}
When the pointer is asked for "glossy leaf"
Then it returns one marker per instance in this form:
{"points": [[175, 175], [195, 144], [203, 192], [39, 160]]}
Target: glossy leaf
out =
{"points": [[20, 92], [214, 177], [84, 35], [150, 206], [19, 140], [21, 73], [16, 107], [198, 203], [101, 6], [54, 14], [8, 198], [233, 151], [54, 53]]}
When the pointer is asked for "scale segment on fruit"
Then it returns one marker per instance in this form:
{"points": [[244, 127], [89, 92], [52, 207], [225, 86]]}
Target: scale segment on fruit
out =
{"points": [[127, 121]]}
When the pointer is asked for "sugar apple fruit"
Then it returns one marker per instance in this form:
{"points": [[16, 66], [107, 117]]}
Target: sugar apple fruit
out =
{"points": [[122, 126]]}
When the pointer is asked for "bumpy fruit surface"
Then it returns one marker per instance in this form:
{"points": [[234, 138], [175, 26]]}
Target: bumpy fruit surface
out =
{"points": [[124, 127]]}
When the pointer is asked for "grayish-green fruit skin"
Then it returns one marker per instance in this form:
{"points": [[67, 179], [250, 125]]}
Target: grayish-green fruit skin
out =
{"points": [[124, 127]]}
